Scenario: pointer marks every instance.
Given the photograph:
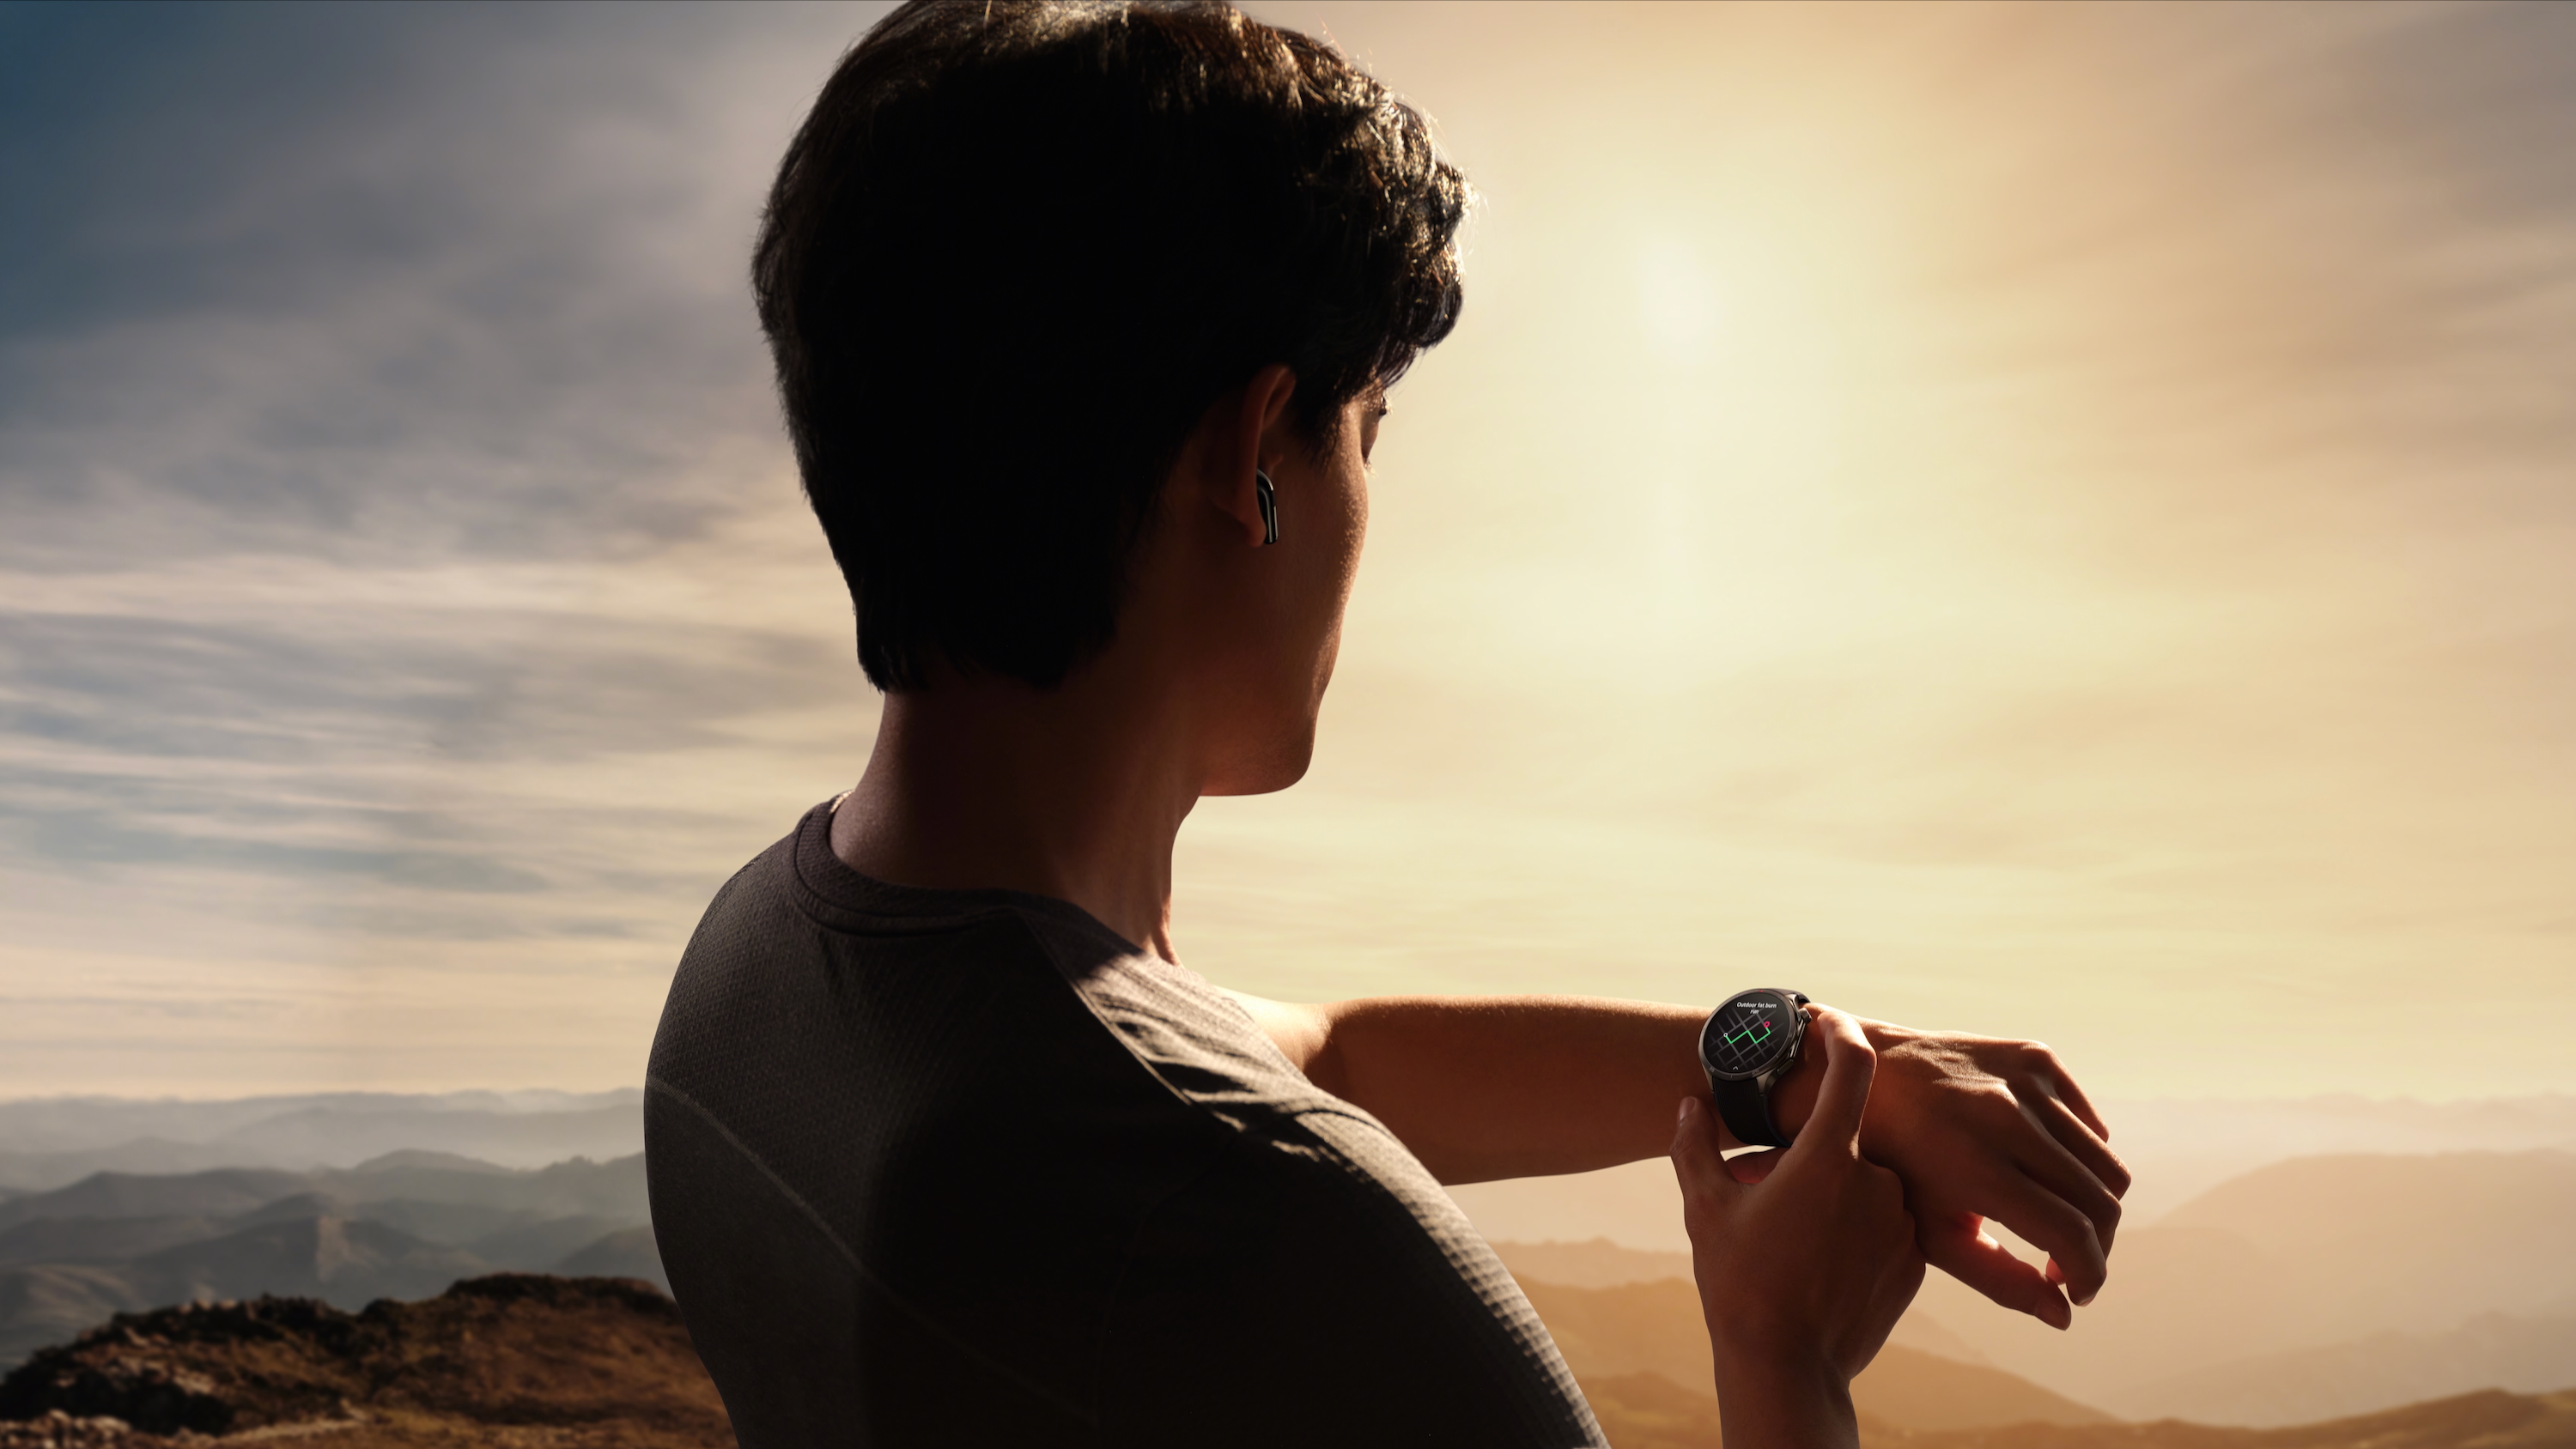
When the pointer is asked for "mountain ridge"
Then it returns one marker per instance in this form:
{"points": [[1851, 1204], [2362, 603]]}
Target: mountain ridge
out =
{"points": [[613, 1187], [46, 1142], [2379, 1371], [404, 1228], [2306, 1256]]}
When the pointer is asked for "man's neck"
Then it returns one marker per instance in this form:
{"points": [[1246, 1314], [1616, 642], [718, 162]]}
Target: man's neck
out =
{"points": [[1075, 793]]}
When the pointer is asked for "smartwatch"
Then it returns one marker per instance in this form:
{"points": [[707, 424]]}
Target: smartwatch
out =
{"points": [[1747, 1047]]}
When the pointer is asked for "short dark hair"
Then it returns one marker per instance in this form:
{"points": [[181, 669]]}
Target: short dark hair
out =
{"points": [[1015, 253]]}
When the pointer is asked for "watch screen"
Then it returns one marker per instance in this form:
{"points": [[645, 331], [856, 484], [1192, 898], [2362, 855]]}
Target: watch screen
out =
{"points": [[1748, 1034]]}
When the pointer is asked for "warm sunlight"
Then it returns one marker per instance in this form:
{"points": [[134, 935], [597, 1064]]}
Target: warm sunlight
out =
{"points": [[2044, 520]]}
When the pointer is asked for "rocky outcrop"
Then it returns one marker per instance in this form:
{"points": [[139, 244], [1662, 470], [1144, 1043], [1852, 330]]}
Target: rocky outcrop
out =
{"points": [[590, 1361], [58, 1430]]}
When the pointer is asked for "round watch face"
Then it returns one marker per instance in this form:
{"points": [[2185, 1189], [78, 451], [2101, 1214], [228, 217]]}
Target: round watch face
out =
{"points": [[1747, 1036]]}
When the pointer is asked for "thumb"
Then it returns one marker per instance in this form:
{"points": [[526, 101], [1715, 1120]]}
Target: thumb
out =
{"points": [[1699, 1161], [1850, 1063]]}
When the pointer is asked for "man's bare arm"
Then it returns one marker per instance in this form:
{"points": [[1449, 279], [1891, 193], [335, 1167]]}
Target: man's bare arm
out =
{"points": [[1485, 1087]]}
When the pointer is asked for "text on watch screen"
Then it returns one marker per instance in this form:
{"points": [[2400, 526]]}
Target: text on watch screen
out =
{"points": [[1748, 1033]]}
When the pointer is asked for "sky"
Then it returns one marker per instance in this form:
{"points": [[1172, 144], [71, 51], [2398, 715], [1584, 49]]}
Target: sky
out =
{"points": [[2051, 521]]}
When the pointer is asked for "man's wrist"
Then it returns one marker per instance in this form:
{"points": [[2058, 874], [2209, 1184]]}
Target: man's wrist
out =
{"points": [[1768, 1400], [1793, 1097]]}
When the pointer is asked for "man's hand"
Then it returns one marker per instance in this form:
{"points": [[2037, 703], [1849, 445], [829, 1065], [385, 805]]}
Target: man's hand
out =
{"points": [[1983, 1127], [1803, 1273]]}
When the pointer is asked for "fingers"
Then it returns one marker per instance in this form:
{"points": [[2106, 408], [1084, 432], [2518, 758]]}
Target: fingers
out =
{"points": [[2063, 1088], [2062, 1123], [2068, 1161], [1960, 1246], [2082, 1173], [2051, 1224], [1850, 1065], [2079, 1193], [1699, 1162]]}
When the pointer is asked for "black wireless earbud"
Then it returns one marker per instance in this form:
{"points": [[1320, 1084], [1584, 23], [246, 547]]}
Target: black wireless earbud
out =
{"points": [[1268, 498]]}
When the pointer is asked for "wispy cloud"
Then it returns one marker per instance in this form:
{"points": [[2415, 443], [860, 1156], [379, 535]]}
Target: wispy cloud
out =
{"points": [[400, 544], [403, 281]]}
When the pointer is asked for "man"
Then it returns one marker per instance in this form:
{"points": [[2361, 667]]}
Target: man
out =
{"points": [[1084, 317]]}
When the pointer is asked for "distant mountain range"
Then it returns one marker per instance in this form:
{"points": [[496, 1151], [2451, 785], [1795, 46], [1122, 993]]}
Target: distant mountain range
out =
{"points": [[47, 1142], [402, 1226], [2180, 1150], [2353, 1282], [2492, 1349], [2177, 1151]]}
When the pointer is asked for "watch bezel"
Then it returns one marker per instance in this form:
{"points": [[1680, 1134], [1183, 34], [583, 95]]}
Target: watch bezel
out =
{"points": [[1790, 1006]]}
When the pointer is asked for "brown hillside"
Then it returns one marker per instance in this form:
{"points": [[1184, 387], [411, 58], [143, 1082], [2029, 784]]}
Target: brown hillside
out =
{"points": [[2490, 1420], [600, 1363], [1611, 1333], [1647, 1411]]}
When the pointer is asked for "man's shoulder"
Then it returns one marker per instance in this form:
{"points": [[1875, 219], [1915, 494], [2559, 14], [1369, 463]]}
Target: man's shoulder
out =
{"points": [[751, 904]]}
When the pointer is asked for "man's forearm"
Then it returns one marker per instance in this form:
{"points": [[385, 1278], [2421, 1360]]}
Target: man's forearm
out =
{"points": [[1485, 1087]]}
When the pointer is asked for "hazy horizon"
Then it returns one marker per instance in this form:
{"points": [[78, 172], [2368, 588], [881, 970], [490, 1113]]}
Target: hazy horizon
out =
{"points": [[2177, 1150], [2049, 521], [636, 1089]]}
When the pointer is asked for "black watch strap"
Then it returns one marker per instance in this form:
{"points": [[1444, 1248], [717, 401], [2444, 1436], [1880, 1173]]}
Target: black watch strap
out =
{"points": [[1746, 1109]]}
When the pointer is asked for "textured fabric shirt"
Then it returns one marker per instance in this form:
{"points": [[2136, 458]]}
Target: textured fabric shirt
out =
{"points": [[964, 1167]]}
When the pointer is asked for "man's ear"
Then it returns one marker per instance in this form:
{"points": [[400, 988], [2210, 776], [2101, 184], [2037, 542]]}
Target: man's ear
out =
{"points": [[1242, 432]]}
